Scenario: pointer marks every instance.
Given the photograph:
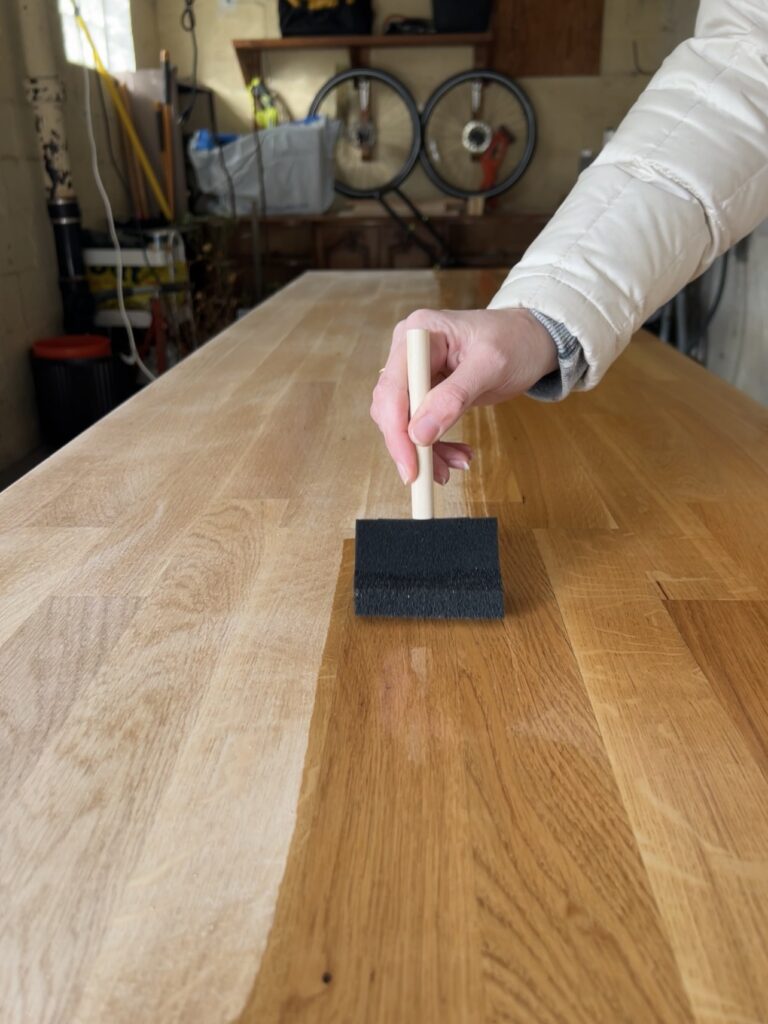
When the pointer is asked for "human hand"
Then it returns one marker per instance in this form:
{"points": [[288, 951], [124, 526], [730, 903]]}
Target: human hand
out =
{"points": [[478, 357]]}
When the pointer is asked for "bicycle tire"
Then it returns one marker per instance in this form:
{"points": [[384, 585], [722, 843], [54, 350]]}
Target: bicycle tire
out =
{"points": [[410, 104], [530, 144]]}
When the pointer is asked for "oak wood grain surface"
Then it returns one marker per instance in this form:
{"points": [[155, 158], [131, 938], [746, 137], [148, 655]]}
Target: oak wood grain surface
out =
{"points": [[225, 798]]}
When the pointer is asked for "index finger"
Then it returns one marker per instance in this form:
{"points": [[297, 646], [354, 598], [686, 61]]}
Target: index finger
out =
{"points": [[390, 407]]}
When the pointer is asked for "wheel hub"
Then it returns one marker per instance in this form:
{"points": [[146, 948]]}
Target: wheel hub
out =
{"points": [[476, 137], [362, 135]]}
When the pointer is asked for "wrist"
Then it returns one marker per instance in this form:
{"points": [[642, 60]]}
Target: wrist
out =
{"points": [[541, 356]]}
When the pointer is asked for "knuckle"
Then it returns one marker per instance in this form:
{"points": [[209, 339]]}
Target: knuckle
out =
{"points": [[382, 393], [419, 318], [377, 415], [454, 397], [495, 360]]}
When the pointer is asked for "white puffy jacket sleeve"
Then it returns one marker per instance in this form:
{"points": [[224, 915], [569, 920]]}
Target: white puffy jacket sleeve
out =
{"points": [[683, 179]]}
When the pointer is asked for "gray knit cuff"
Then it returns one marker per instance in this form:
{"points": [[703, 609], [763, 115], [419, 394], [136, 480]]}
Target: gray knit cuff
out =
{"points": [[570, 354]]}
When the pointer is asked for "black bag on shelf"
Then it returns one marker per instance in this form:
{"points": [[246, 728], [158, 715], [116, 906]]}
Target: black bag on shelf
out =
{"points": [[325, 17], [460, 16]]}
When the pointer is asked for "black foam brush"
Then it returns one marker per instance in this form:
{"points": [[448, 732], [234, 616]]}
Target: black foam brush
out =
{"points": [[426, 567]]}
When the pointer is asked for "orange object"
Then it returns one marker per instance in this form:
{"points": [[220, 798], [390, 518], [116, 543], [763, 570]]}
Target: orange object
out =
{"points": [[493, 157], [157, 334]]}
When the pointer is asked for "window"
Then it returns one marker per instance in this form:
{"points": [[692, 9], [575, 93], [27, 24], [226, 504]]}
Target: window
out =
{"points": [[109, 22]]}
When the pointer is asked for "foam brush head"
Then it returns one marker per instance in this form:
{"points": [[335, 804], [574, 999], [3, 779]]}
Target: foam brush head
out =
{"points": [[429, 568]]}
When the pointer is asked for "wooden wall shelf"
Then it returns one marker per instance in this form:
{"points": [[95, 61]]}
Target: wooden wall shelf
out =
{"points": [[249, 51]]}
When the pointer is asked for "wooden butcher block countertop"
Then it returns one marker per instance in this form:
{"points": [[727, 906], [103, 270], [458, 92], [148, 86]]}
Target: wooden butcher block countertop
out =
{"points": [[223, 798]]}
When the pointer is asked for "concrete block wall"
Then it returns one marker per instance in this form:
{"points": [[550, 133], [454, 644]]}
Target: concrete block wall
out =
{"points": [[30, 305], [29, 294]]}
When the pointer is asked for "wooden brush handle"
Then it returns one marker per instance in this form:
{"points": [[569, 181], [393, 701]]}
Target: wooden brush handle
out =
{"points": [[419, 383]]}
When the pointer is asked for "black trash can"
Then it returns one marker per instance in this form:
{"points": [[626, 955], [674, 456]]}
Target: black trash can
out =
{"points": [[75, 384], [460, 16]]}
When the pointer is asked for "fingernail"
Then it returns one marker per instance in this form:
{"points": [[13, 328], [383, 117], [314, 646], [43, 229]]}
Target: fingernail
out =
{"points": [[403, 473], [443, 480], [458, 463], [425, 430]]}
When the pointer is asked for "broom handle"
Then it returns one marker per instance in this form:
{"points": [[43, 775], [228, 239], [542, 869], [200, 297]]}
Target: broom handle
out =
{"points": [[419, 383]]}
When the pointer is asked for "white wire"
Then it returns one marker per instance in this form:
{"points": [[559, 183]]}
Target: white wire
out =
{"points": [[136, 358]]}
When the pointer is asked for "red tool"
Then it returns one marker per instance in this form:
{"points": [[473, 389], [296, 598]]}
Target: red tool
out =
{"points": [[493, 157], [157, 334]]}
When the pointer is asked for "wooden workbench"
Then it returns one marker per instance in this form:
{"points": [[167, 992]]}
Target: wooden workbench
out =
{"points": [[223, 798]]}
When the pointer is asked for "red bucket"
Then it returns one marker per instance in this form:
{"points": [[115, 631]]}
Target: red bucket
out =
{"points": [[73, 346], [75, 384]]}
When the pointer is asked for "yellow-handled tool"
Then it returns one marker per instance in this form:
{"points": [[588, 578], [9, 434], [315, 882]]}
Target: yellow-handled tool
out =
{"points": [[127, 123]]}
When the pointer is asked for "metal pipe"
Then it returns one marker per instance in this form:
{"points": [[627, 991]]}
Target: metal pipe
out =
{"points": [[45, 92]]}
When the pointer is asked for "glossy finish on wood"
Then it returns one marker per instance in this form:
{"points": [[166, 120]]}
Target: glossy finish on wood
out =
{"points": [[223, 797]]}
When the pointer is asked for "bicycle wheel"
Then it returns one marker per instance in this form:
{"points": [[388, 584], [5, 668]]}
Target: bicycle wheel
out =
{"points": [[380, 134], [479, 133]]}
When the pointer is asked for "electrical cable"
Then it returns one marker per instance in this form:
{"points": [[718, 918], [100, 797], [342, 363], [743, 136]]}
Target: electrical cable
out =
{"points": [[741, 306], [223, 162], [257, 215], [135, 357], [262, 184], [130, 130], [718, 292], [681, 322], [112, 158], [162, 286], [189, 24], [230, 183], [665, 321], [175, 236]]}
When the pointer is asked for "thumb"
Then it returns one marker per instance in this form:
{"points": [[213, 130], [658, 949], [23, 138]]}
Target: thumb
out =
{"points": [[444, 404]]}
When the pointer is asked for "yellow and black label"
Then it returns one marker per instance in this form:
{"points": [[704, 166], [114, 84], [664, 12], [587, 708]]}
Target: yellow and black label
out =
{"points": [[140, 283]]}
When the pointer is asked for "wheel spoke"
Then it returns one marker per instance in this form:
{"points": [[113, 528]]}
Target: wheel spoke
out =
{"points": [[375, 148], [447, 160]]}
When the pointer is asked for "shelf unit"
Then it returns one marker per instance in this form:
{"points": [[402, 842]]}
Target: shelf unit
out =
{"points": [[249, 51]]}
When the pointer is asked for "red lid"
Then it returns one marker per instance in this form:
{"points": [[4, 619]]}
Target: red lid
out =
{"points": [[73, 346]]}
